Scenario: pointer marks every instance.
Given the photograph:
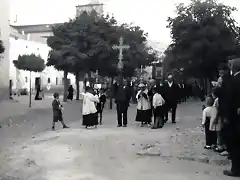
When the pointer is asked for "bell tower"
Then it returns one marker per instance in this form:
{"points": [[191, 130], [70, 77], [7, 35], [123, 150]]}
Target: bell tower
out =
{"points": [[92, 5]]}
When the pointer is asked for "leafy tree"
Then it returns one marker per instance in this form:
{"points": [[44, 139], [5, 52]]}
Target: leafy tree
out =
{"points": [[204, 34], [2, 49], [31, 63], [85, 44], [65, 54]]}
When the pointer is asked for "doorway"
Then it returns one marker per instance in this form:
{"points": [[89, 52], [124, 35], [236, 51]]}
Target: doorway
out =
{"points": [[37, 82]]}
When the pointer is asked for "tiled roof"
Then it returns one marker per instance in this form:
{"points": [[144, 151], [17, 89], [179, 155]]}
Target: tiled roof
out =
{"points": [[38, 28]]}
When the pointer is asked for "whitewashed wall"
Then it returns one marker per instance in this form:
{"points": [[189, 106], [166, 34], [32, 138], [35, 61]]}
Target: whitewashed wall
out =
{"points": [[20, 47], [4, 36]]}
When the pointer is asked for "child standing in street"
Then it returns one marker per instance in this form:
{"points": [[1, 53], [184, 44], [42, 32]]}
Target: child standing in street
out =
{"points": [[57, 111], [100, 106], [158, 106], [217, 125], [208, 121]]}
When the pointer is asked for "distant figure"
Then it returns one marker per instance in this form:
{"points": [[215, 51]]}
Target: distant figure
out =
{"points": [[37, 97], [70, 93], [57, 111], [100, 106]]}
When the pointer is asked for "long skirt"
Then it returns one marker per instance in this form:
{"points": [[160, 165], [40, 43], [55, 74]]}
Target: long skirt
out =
{"points": [[90, 120], [70, 96], [144, 116]]}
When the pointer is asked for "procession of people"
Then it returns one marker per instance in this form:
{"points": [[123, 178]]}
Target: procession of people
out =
{"points": [[154, 102]]}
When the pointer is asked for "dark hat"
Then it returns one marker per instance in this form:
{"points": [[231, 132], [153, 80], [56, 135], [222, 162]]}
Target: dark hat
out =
{"points": [[56, 95]]}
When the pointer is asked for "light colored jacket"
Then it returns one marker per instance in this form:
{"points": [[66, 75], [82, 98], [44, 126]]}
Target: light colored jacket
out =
{"points": [[89, 101], [158, 100], [211, 112], [143, 103]]}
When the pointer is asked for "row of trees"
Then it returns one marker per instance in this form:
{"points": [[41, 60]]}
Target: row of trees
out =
{"points": [[85, 45], [204, 34]]}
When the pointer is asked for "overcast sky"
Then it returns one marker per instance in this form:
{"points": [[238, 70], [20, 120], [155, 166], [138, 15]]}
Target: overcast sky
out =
{"points": [[151, 15]]}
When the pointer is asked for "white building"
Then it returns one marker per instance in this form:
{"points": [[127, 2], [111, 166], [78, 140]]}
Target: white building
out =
{"points": [[27, 39], [4, 58]]}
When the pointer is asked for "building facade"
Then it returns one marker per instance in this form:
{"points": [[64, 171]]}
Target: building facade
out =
{"points": [[4, 36], [28, 39]]}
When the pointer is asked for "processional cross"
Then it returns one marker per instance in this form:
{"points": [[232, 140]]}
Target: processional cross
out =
{"points": [[120, 47]]}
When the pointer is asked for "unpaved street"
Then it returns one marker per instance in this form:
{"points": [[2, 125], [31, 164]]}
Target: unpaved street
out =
{"points": [[109, 152]]}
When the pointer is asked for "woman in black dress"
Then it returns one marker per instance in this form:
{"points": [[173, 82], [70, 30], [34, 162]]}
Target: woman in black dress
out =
{"points": [[70, 93]]}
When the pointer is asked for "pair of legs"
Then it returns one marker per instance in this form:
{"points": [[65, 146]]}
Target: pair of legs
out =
{"points": [[158, 117], [158, 122], [235, 157], [171, 107], [100, 117], [211, 136], [122, 108], [58, 119]]}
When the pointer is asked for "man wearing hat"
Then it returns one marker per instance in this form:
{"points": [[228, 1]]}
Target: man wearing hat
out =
{"points": [[234, 120]]}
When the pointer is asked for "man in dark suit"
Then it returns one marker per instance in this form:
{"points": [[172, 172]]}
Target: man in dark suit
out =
{"points": [[223, 109], [122, 99], [171, 96], [234, 120]]}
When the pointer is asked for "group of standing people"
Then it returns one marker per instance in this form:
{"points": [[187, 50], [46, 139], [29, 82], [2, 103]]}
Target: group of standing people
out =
{"points": [[157, 101], [221, 117], [93, 104], [92, 108]]}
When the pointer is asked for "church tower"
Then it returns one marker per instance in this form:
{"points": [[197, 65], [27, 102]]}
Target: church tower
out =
{"points": [[4, 36], [92, 5]]}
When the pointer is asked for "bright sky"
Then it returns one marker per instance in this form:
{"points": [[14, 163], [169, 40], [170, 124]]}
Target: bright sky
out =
{"points": [[151, 15]]}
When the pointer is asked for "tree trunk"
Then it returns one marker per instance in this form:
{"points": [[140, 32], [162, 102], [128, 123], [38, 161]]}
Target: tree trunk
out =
{"points": [[77, 85], [65, 86], [30, 89], [111, 95]]}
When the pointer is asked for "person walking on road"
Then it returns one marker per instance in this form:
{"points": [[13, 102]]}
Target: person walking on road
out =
{"points": [[122, 99], [171, 96], [57, 112]]}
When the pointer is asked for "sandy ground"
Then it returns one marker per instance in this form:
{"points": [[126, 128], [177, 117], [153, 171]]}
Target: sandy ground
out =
{"points": [[106, 153]]}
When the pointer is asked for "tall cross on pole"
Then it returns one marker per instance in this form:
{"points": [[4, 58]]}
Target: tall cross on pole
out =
{"points": [[120, 47]]}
